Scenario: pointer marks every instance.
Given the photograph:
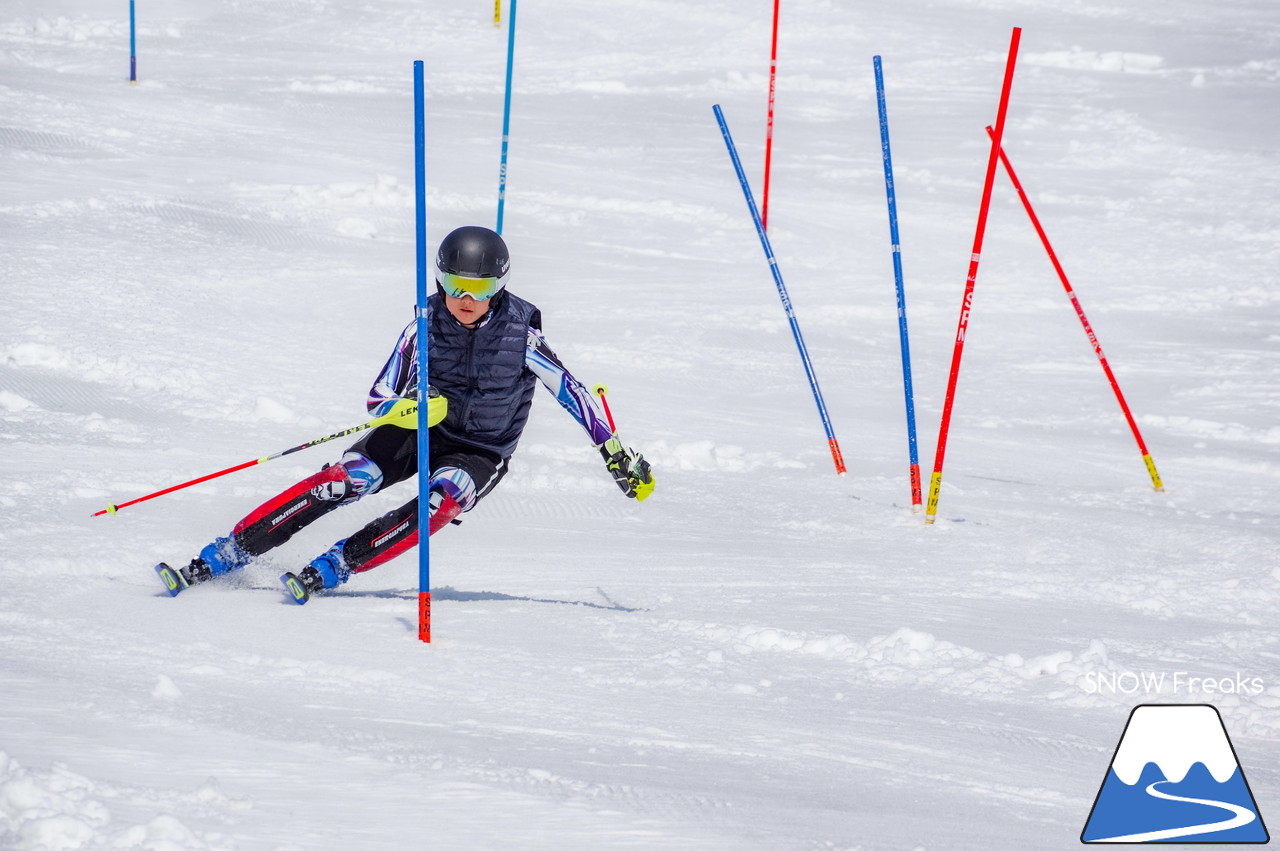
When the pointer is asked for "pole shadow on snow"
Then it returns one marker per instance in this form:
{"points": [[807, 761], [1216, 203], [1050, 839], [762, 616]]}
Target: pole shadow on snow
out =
{"points": [[451, 594]]}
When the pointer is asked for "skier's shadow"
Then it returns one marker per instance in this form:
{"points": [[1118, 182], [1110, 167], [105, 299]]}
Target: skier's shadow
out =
{"points": [[450, 594]]}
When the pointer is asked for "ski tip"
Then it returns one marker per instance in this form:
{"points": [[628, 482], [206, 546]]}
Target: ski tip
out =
{"points": [[296, 590], [173, 580]]}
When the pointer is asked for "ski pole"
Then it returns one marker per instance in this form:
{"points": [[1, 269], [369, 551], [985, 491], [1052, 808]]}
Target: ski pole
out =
{"points": [[782, 292], [642, 489], [600, 390], [912, 451], [1088, 329], [382, 420]]}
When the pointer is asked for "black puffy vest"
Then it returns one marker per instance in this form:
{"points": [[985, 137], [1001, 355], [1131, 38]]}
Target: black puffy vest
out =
{"points": [[482, 373]]}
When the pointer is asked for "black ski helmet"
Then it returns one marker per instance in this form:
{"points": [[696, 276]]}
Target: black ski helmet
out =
{"points": [[473, 252]]}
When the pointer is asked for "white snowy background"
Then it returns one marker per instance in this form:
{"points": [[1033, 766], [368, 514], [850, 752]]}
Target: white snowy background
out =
{"points": [[212, 266]]}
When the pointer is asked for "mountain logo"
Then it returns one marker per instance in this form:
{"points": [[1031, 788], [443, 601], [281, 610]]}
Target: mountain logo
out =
{"points": [[1175, 778]]}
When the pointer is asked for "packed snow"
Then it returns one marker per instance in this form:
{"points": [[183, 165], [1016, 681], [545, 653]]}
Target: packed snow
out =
{"points": [[211, 266]]}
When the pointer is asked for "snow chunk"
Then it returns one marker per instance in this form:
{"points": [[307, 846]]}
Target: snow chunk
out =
{"points": [[47, 810], [1050, 663], [384, 191], [1233, 432], [59, 809], [328, 84], [13, 403], [162, 833], [612, 87], [63, 28], [38, 355], [1089, 60], [273, 411], [706, 456], [357, 228], [165, 689]]}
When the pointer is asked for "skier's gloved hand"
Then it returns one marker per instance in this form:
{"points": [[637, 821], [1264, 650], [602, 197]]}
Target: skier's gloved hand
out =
{"points": [[631, 473], [403, 411]]}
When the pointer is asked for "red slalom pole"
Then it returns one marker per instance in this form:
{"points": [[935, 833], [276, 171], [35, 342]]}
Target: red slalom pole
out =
{"points": [[966, 305], [768, 136], [1088, 329]]}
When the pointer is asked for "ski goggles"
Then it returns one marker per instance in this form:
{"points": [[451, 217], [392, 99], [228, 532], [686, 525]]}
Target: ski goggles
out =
{"points": [[481, 289]]}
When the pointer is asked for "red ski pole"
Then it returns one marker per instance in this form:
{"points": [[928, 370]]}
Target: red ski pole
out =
{"points": [[386, 418], [600, 390], [1088, 329], [935, 484]]}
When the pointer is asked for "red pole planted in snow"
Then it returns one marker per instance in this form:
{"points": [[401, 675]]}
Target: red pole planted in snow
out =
{"points": [[966, 305], [768, 137], [1088, 329]]}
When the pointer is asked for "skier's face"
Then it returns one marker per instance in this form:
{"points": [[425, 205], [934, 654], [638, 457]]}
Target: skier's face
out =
{"points": [[466, 310]]}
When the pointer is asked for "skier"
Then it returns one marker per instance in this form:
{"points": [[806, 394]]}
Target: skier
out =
{"points": [[487, 352]]}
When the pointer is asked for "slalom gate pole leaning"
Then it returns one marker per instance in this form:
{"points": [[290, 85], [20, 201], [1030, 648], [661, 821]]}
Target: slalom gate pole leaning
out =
{"points": [[768, 136], [133, 47], [388, 418], [1088, 329], [966, 305], [506, 114], [424, 432], [913, 451], [601, 390], [497, 12], [782, 292]]}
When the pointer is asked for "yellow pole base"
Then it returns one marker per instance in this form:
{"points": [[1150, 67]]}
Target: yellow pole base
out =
{"points": [[1151, 470], [935, 488]]}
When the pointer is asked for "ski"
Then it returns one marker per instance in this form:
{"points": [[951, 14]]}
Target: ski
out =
{"points": [[174, 582], [297, 590]]}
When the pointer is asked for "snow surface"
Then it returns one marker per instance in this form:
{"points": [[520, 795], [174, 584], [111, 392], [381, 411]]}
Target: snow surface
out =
{"points": [[211, 266]]}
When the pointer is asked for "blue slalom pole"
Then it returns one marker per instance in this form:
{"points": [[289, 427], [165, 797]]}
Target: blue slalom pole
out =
{"points": [[424, 433], [133, 47], [916, 497], [782, 292], [506, 115]]}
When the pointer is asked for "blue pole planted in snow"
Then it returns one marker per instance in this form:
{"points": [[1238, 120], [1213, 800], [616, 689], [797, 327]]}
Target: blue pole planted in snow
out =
{"points": [[133, 47], [782, 292], [424, 433], [916, 497], [506, 114]]}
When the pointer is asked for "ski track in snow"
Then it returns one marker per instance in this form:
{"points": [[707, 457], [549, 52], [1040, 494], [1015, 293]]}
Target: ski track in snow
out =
{"points": [[211, 266]]}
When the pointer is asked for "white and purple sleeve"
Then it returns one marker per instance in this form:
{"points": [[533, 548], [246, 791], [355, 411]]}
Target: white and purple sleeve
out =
{"points": [[571, 393], [399, 378]]}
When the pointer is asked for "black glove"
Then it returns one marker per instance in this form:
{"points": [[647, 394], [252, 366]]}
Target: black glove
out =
{"points": [[631, 473]]}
